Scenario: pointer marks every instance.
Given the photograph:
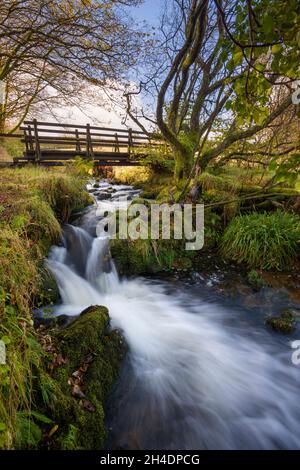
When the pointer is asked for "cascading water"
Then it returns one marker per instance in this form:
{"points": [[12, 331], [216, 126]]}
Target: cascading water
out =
{"points": [[190, 381]]}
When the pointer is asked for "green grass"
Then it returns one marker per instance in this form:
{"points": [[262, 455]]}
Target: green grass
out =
{"points": [[209, 181], [33, 202], [10, 148], [263, 240]]}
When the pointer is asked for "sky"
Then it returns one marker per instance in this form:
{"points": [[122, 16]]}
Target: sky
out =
{"points": [[95, 114], [148, 11]]}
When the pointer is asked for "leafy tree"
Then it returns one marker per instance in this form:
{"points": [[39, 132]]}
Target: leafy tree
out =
{"points": [[50, 48], [223, 75]]}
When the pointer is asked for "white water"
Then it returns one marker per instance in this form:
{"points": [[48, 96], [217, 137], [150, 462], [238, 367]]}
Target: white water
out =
{"points": [[190, 381]]}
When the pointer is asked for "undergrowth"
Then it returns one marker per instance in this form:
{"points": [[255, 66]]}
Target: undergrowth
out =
{"points": [[33, 202], [263, 240]]}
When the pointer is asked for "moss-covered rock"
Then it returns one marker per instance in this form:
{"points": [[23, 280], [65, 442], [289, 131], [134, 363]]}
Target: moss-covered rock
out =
{"points": [[285, 323], [134, 257], [256, 280], [90, 358]]}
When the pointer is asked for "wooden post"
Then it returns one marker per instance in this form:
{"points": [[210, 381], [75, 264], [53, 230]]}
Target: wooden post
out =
{"points": [[37, 142], [30, 137], [130, 140], [26, 143], [78, 147], [87, 142], [117, 148], [89, 145]]}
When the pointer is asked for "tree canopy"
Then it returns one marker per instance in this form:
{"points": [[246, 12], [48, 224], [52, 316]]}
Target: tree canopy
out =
{"points": [[50, 48], [223, 75]]}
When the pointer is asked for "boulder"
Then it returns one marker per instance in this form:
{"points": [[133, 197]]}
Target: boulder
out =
{"points": [[90, 358]]}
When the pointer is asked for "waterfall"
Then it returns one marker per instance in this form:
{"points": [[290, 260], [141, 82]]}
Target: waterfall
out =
{"points": [[189, 381]]}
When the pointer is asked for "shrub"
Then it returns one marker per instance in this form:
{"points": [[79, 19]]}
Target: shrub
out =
{"points": [[158, 157], [212, 229], [263, 240], [209, 181]]}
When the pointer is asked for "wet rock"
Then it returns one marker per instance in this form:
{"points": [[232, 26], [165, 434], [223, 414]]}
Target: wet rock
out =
{"points": [[92, 355], [239, 289], [50, 321], [289, 281], [285, 323], [78, 244], [256, 280], [102, 195], [64, 320], [251, 302]]}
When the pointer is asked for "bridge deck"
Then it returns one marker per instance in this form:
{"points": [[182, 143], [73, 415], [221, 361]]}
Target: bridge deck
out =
{"points": [[49, 143], [54, 143]]}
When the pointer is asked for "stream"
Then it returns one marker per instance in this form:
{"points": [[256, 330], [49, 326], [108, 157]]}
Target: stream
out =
{"points": [[201, 372]]}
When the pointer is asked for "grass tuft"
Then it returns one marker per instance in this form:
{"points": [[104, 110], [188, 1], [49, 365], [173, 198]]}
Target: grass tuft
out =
{"points": [[263, 240]]}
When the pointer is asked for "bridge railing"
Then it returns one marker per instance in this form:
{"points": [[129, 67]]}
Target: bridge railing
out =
{"points": [[54, 141]]}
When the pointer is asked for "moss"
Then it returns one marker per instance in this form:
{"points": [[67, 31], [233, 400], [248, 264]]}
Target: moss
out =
{"points": [[32, 203], [183, 264], [48, 292], [285, 323], [134, 257], [212, 229], [149, 256], [255, 279], [151, 193], [142, 200], [74, 344], [87, 344]]}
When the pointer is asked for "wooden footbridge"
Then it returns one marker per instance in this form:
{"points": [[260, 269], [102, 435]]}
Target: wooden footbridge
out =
{"points": [[50, 143]]}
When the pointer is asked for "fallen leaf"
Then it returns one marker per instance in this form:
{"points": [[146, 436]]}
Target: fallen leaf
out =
{"points": [[88, 405], [77, 392], [77, 374]]}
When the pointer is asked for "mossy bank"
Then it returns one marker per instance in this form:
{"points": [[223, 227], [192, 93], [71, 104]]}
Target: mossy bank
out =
{"points": [[82, 363], [34, 202]]}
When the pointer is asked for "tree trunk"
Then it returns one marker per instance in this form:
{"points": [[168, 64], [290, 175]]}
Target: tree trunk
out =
{"points": [[183, 164], [2, 119]]}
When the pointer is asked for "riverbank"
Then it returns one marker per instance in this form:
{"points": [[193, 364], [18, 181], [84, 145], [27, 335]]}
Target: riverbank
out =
{"points": [[37, 407]]}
